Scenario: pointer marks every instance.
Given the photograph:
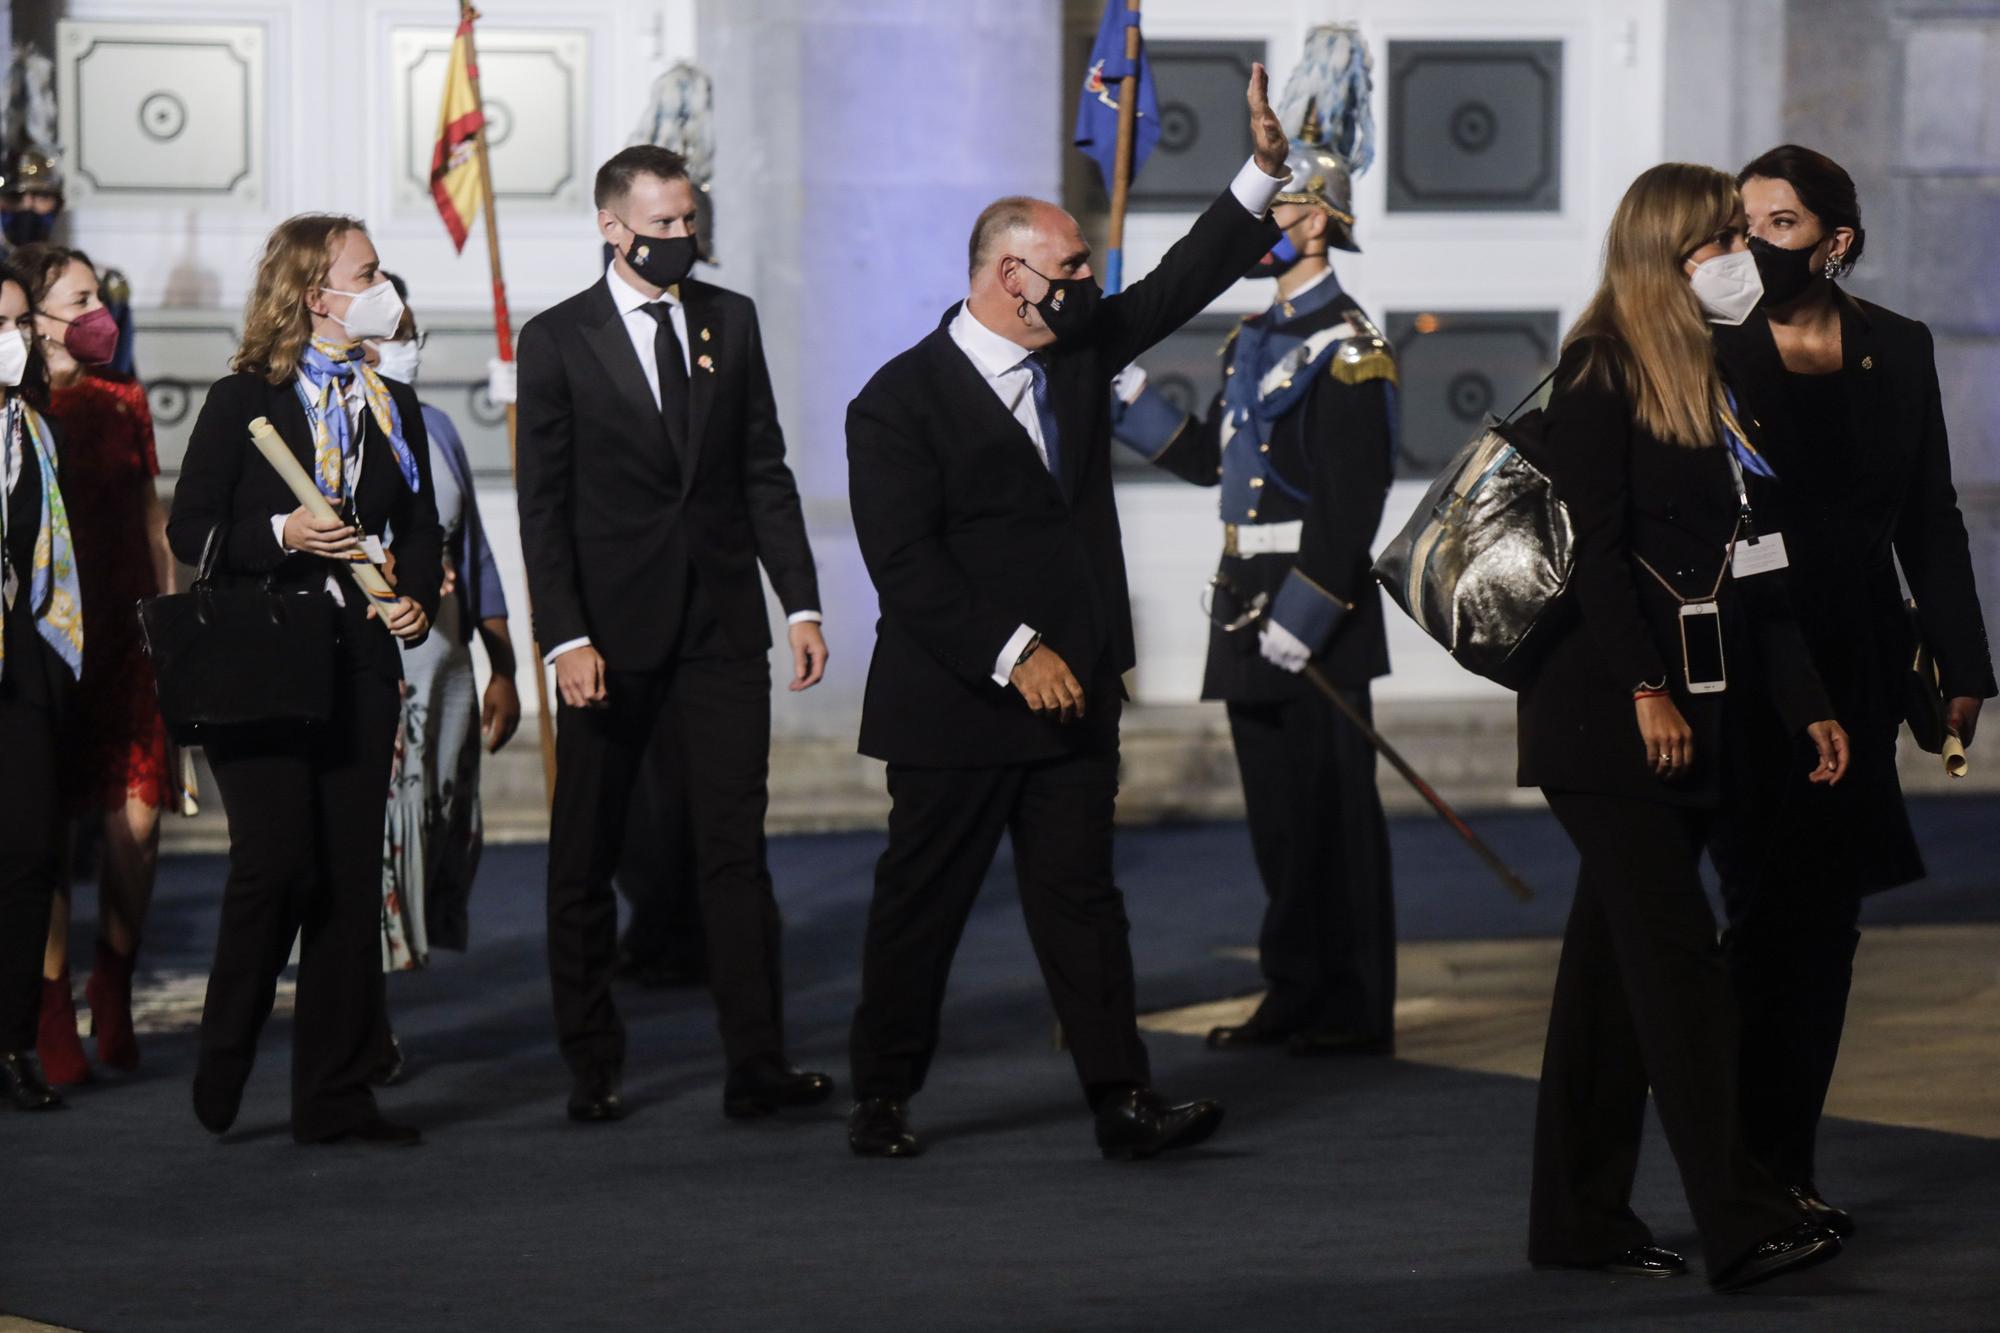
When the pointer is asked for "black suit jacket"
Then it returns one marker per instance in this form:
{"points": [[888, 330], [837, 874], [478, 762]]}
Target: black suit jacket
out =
{"points": [[1851, 509], [1632, 496], [225, 481], [967, 535], [622, 503]]}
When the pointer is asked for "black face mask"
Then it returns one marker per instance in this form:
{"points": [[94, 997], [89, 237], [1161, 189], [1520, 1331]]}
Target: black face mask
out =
{"points": [[1276, 262], [1069, 307], [1786, 273], [661, 260]]}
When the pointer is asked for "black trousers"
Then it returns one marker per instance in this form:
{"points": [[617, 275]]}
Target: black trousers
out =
{"points": [[305, 807], [1328, 944], [1790, 951], [719, 706], [944, 826], [1641, 999], [31, 826], [658, 874]]}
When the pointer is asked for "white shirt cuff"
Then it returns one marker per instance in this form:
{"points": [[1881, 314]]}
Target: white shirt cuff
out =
{"points": [[549, 657], [1003, 665], [803, 617], [278, 531], [1254, 190], [1128, 384]]}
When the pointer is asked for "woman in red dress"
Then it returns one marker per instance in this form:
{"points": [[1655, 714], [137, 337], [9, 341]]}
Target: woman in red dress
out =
{"points": [[116, 754]]}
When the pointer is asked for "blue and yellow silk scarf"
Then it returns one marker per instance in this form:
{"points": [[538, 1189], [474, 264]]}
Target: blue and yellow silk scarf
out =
{"points": [[327, 367], [52, 590]]}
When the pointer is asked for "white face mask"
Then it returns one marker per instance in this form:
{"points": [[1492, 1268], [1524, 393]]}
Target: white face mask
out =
{"points": [[399, 360], [1728, 286], [373, 313], [13, 357]]}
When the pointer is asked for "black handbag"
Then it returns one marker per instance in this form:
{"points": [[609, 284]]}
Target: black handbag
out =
{"points": [[236, 656]]}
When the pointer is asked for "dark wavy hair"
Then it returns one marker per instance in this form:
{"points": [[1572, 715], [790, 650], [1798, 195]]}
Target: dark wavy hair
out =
{"points": [[34, 385], [1821, 184]]}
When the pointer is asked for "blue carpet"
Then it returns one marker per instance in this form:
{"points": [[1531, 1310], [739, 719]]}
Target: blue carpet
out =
{"points": [[1340, 1194]]}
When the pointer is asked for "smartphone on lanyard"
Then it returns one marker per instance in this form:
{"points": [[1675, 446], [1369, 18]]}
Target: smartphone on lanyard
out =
{"points": [[1701, 648]]}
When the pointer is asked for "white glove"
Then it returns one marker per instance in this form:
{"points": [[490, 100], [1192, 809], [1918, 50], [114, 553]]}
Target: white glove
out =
{"points": [[500, 381], [1129, 383], [1282, 648]]}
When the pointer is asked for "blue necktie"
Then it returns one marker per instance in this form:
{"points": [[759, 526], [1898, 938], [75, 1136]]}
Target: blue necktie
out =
{"points": [[1045, 412]]}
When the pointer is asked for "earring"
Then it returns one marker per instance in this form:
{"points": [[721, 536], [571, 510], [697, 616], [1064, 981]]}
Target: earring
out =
{"points": [[1832, 269]]}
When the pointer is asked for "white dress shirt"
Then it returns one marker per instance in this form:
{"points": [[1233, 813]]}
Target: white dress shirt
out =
{"points": [[1002, 363], [641, 328]]}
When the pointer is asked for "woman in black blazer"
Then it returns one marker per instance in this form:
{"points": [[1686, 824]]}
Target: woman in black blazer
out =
{"points": [[306, 802], [41, 656], [1852, 421], [1634, 761]]}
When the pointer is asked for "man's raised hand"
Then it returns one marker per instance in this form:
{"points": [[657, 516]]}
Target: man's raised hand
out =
{"points": [[1265, 132]]}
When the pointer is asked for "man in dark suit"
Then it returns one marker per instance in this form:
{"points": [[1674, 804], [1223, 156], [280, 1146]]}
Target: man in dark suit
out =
{"points": [[1301, 442], [652, 483], [980, 478]]}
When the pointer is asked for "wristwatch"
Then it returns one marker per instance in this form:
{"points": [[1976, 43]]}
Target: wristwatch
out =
{"points": [[1034, 642]]}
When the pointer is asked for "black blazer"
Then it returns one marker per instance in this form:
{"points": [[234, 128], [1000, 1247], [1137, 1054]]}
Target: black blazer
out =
{"points": [[967, 535], [622, 502], [34, 675], [225, 481], [1852, 509], [1633, 496]]}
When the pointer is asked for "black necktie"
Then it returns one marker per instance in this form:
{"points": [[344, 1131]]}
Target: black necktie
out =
{"points": [[667, 358]]}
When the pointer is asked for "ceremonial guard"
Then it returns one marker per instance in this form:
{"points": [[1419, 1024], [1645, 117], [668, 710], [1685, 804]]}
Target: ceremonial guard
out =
{"points": [[1302, 441]]}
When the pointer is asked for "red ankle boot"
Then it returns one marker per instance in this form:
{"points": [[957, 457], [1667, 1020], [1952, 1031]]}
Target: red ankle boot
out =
{"points": [[109, 995], [56, 1042]]}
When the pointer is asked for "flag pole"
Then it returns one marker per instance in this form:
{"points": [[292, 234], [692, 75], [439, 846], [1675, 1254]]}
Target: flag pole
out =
{"points": [[503, 330], [1121, 176]]}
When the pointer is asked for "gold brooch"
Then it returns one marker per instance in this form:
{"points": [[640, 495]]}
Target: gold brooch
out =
{"points": [[706, 363], [704, 335], [1868, 363]]}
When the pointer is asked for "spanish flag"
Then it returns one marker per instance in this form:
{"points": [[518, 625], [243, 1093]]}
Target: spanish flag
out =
{"points": [[455, 159]]}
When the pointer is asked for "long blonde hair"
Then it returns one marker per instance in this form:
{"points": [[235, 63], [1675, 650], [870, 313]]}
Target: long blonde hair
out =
{"points": [[1644, 325], [276, 324]]}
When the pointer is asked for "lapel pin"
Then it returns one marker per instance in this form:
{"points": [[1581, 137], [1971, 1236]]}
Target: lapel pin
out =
{"points": [[1868, 363], [704, 335], [706, 362]]}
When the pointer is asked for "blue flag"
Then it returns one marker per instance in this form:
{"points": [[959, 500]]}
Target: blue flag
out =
{"points": [[1097, 108]]}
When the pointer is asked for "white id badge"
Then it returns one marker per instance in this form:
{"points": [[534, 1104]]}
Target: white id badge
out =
{"points": [[373, 545], [1759, 557], [1701, 648]]}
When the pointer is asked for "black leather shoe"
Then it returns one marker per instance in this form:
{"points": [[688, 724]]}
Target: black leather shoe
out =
{"points": [[595, 1099], [1639, 1261], [378, 1133], [1326, 1041], [1837, 1220], [769, 1083], [880, 1127], [25, 1086], [1140, 1123], [216, 1101], [1788, 1251], [1252, 1035]]}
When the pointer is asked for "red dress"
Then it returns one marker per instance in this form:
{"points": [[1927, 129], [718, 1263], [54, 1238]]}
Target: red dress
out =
{"points": [[119, 745]]}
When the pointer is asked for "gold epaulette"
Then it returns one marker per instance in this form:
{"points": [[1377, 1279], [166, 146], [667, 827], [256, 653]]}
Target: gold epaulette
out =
{"points": [[1230, 341], [1364, 357]]}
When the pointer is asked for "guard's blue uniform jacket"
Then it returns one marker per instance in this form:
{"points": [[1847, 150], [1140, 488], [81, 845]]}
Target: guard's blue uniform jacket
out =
{"points": [[1302, 442]]}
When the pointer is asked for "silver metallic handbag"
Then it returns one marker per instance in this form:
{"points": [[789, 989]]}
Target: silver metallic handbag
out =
{"points": [[1482, 564]]}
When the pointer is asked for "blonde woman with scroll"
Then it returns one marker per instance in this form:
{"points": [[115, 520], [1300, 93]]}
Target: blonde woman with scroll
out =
{"points": [[306, 802]]}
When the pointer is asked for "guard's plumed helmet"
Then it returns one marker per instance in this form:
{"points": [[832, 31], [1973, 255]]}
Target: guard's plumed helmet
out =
{"points": [[1320, 178]]}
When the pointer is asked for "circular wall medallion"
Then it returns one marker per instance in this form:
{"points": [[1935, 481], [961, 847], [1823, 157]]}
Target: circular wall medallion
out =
{"points": [[499, 122], [168, 401], [1179, 127], [1473, 126], [162, 117], [1469, 396]]}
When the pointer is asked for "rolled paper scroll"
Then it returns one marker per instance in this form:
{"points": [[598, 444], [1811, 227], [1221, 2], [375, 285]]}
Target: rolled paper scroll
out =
{"points": [[270, 444], [1955, 762]]}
